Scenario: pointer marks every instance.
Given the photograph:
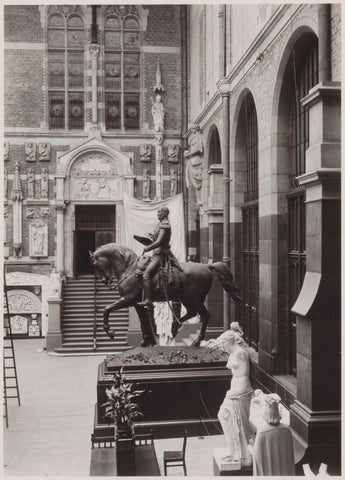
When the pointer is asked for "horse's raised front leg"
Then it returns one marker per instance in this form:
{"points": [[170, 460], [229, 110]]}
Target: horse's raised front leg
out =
{"points": [[204, 317], [121, 303]]}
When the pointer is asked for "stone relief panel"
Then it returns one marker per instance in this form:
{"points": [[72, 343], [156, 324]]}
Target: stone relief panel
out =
{"points": [[23, 301], [6, 151], [95, 177], [45, 211], [173, 153], [44, 182], [19, 325], [44, 152], [30, 152], [145, 152], [31, 182], [38, 239]]}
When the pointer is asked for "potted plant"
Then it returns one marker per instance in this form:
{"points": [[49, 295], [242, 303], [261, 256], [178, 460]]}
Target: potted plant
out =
{"points": [[120, 406]]}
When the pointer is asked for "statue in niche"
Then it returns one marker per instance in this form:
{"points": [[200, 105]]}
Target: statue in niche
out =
{"points": [[31, 183], [44, 182], [173, 182], [173, 152], [5, 183], [234, 411], [194, 156], [38, 238], [158, 113], [44, 152], [6, 151], [145, 152], [146, 184], [159, 146], [30, 152]]}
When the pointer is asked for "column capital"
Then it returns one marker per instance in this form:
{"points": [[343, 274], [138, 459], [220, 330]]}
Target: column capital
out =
{"points": [[60, 207]]}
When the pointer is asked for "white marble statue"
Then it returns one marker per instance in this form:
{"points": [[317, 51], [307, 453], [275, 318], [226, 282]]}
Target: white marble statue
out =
{"points": [[158, 113], [234, 411]]}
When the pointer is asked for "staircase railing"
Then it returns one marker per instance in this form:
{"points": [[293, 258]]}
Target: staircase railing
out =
{"points": [[94, 312]]}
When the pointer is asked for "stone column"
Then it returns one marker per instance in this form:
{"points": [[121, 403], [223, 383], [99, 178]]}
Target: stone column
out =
{"points": [[315, 415], [54, 335], [225, 94], [159, 162], [94, 51], [60, 251]]}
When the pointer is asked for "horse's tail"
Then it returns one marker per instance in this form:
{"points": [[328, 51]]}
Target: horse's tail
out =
{"points": [[227, 280]]}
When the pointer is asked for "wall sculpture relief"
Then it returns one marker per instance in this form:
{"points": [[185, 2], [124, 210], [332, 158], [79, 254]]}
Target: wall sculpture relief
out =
{"points": [[30, 212], [95, 176], [173, 153], [30, 152], [31, 182], [145, 152], [19, 325], [44, 152], [45, 211], [146, 184], [44, 182], [23, 301], [173, 182], [38, 239]]}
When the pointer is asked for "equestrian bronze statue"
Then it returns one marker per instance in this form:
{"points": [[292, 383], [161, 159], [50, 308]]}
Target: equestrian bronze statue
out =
{"points": [[119, 267]]}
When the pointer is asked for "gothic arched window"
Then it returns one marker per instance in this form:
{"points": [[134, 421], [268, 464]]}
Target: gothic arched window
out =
{"points": [[122, 67], [66, 44]]}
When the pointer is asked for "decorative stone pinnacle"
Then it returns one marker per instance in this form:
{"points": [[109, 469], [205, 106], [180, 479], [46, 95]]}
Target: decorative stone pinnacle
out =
{"points": [[158, 86], [17, 192]]}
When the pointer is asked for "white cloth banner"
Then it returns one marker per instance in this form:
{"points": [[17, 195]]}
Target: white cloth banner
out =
{"points": [[141, 219]]}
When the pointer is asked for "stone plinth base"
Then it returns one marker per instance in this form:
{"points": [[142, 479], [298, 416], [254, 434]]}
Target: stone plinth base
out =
{"points": [[222, 467]]}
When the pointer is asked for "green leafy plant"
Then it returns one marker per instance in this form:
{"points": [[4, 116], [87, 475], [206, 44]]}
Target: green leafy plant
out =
{"points": [[120, 406]]}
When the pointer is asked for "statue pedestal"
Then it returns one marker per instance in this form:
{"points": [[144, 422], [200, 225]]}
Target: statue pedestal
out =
{"points": [[227, 468]]}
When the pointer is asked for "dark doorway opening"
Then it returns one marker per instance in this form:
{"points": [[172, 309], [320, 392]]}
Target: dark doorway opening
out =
{"points": [[95, 226]]}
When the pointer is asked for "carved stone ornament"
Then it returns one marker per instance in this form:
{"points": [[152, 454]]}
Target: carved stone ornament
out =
{"points": [[30, 212], [158, 113], [158, 86], [145, 152], [5, 184], [19, 325], [173, 182], [6, 151], [45, 211], [44, 152], [94, 165], [34, 329], [173, 153], [30, 152], [38, 239]]}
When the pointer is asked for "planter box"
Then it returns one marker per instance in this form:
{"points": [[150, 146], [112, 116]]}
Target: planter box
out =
{"points": [[179, 383]]}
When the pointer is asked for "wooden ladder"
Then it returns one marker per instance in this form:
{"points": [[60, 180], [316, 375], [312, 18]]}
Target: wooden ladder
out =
{"points": [[11, 389]]}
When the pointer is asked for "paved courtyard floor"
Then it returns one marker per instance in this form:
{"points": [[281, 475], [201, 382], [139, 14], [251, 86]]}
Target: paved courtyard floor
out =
{"points": [[49, 434]]}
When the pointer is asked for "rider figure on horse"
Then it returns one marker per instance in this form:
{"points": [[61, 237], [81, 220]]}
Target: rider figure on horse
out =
{"points": [[161, 253]]}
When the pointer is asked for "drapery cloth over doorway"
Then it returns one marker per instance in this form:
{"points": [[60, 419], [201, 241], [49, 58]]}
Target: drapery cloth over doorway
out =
{"points": [[141, 219]]}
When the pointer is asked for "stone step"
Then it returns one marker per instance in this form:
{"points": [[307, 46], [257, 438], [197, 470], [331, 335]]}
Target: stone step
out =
{"points": [[90, 350]]}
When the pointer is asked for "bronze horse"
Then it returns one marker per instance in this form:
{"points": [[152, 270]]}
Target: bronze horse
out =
{"points": [[117, 266]]}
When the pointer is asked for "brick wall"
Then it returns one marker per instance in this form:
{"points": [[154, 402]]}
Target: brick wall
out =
{"points": [[163, 26], [22, 24], [23, 81]]}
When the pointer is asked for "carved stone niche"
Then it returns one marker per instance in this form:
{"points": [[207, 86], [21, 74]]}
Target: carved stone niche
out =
{"points": [[173, 153], [38, 239], [30, 152], [44, 152], [145, 152]]}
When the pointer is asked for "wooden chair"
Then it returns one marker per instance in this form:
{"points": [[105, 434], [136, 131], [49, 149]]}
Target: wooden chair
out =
{"points": [[176, 458]]}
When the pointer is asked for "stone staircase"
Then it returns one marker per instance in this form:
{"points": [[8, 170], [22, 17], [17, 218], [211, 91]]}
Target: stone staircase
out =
{"points": [[78, 319]]}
